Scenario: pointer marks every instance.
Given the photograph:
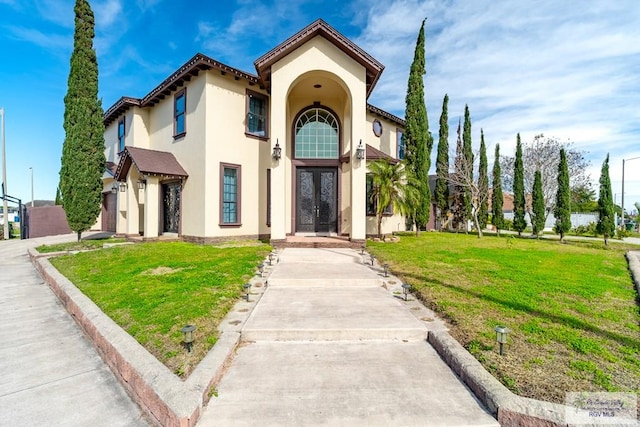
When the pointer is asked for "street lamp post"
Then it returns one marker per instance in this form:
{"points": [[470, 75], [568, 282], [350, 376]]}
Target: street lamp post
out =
{"points": [[4, 183], [32, 201], [622, 213]]}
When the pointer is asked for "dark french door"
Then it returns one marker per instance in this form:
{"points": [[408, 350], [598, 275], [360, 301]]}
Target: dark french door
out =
{"points": [[171, 192], [316, 200]]}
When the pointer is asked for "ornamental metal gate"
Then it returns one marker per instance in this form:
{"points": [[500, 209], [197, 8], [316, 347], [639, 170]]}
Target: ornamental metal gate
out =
{"points": [[171, 192]]}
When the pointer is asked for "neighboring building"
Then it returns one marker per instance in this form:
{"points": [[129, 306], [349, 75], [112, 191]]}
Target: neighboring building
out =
{"points": [[195, 158]]}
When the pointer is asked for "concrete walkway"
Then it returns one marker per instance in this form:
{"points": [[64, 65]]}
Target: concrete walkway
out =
{"points": [[332, 342], [49, 373]]}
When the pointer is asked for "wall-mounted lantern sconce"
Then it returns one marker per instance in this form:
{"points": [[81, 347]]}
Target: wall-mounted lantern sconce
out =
{"points": [[277, 151], [187, 331], [114, 188], [501, 336], [123, 187], [142, 184], [405, 291], [360, 151], [247, 288]]}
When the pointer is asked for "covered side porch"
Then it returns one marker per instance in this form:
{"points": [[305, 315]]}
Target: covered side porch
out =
{"points": [[149, 194]]}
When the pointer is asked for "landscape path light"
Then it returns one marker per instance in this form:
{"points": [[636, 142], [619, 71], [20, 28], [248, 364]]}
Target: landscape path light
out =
{"points": [[405, 290], [373, 259], [362, 249], [261, 268], [187, 331], [247, 288], [501, 336], [272, 256], [386, 269]]}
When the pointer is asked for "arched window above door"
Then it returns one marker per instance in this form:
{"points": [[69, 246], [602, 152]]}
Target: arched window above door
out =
{"points": [[316, 135]]}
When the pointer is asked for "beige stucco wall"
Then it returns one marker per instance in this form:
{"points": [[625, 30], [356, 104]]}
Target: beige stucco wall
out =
{"points": [[387, 142], [215, 134], [226, 142], [291, 87]]}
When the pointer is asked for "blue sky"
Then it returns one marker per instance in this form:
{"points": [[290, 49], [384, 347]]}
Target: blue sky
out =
{"points": [[551, 67]]}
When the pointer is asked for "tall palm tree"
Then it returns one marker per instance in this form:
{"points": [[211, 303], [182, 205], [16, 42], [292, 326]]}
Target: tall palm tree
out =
{"points": [[391, 186]]}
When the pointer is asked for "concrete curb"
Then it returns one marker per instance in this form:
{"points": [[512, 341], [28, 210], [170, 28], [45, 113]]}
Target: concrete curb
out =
{"points": [[508, 408], [633, 258], [168, 400]]}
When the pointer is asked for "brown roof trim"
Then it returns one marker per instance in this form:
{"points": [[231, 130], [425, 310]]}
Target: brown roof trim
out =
{"points": [[176, 80], [375, 110], [111, 167], [375, 154], [121, 105], [319, 28], [149, 162]]}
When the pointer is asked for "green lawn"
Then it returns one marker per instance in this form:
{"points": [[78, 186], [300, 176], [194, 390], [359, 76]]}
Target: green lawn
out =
{"points": [[153, 289], [572, 308], [82, 245]]}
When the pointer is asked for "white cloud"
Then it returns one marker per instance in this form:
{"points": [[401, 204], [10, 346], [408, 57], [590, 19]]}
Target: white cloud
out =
{"points": [[59, 12], [546, 67], [39, 38], [107, 13]]}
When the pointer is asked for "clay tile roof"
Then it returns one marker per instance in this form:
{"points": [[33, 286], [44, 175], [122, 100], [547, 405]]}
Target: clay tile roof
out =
{"points": [[149, 162]]}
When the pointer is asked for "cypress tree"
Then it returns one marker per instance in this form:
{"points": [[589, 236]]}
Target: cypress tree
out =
{"points": [[606, 224], [58, 201], [562, 210], [497, 216], [483, 185], [83, 159], [458, 197], [416, 134], [467, 151], [442, 164], [519, 222], [537, 202]]}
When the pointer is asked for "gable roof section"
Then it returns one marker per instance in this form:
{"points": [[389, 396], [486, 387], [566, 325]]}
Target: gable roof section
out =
{"points": [[185, 73], [319, 28], [149, 162]]}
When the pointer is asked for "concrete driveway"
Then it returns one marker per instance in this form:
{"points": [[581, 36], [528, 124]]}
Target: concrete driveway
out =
{"points": [[332, 342], [50, 375]]}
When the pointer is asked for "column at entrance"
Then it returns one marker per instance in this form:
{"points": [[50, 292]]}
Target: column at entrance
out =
{"points": [[152, 207]]}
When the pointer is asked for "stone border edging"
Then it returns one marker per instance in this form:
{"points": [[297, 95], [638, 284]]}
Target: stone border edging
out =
{"points": [[633, 259], [508, 408], [167, 399]]}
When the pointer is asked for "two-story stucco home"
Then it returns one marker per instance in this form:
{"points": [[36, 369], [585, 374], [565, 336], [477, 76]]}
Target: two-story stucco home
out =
{"points": [[214, 152]]}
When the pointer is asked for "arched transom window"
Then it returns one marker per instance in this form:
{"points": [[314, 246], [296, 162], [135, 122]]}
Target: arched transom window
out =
{"points": [[316, 135]]}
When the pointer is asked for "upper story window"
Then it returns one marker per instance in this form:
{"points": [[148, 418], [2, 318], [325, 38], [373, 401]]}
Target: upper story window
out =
{"points": [[230, 194], [316, 135], [121, 135], [179, 113], [377, 127], [400, 144], [256, 114]]}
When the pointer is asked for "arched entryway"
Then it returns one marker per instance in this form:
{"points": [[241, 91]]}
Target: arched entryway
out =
{"points": [[316, 164]]}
